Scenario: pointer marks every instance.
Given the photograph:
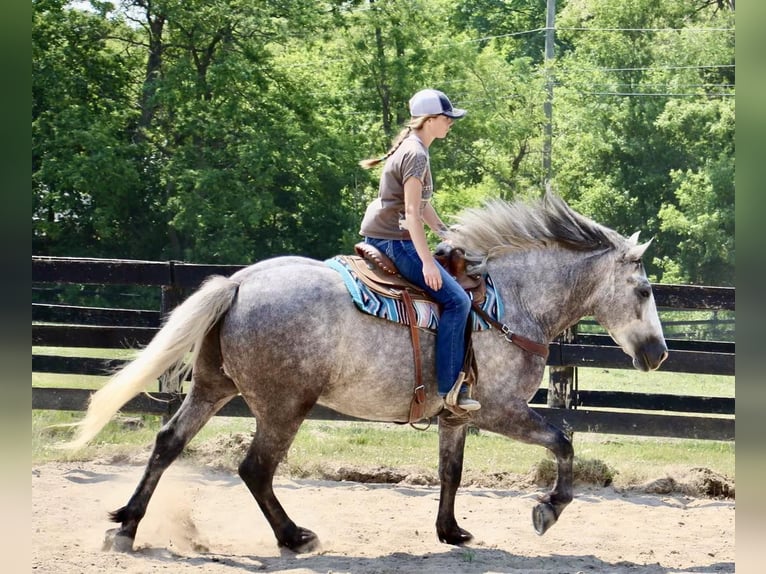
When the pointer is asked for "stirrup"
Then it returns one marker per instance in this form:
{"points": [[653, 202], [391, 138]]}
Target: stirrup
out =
{"points": [[452, 400], [452, 396]]}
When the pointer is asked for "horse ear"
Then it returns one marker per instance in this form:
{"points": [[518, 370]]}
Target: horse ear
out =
{"points": [[633, 239], [637, 251]]}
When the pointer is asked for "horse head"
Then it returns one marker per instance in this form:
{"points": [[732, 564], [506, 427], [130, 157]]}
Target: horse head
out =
{"points": [[611, 281], [629, 313]]}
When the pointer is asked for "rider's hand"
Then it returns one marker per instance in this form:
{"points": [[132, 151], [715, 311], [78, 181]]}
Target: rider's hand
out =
{"points": [[432, 275]]}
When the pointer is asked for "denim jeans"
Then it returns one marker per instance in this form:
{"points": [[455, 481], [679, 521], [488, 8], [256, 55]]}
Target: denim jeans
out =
{"points": [[454, 303]]}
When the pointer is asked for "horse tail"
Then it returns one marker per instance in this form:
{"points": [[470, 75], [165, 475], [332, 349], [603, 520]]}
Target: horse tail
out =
{"points": [[173, 349]]}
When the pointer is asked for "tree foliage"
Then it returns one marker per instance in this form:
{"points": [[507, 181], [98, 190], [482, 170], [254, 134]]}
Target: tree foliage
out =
{"points": [[646, 126], [226, 131]]}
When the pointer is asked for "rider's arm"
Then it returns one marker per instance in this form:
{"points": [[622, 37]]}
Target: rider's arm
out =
{"points": [[433, 220], [413, 191]]}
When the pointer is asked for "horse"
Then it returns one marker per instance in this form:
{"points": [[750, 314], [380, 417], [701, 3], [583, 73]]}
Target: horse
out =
{"points": [[284, 334]]}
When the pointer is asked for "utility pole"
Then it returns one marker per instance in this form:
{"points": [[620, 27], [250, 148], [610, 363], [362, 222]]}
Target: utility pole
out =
{"points": [[561, 380], [550, 23]]}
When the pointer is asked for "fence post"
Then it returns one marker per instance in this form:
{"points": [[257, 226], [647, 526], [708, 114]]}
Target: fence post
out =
{"points": [[561, 379], [172, 295]]}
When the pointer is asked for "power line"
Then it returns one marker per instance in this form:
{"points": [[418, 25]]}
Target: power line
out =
{"points": [[655, 68], [545, 29], [575, 29], [658, 94], [647, 85], [595, 88], [486, 38]]}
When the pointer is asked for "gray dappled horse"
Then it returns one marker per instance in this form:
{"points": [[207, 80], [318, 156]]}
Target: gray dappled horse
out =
{"points": [[285, 335]]}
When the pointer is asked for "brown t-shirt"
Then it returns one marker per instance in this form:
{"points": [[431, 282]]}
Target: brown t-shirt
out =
{"points": [[384, 218]]}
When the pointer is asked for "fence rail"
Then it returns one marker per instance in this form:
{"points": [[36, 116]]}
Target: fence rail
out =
{"points": [[57, 325]]}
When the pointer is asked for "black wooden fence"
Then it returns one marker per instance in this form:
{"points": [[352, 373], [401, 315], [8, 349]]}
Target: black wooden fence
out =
{"points": [[668, 415]]}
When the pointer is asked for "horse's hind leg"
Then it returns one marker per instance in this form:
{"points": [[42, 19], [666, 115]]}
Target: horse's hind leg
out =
{"points": [[271, 442], [452, 433], [211, 389]]}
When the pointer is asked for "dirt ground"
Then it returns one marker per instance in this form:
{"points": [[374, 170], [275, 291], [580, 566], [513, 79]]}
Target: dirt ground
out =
{"points": [[203, 520]]}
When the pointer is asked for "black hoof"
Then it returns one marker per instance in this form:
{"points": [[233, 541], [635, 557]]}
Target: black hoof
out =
{"points": [[457, 537], [116, 542], [543, 517], [300, 540]]}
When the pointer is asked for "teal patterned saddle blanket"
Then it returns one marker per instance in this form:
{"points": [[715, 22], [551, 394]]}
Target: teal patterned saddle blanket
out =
{"points": [[375, 303]]}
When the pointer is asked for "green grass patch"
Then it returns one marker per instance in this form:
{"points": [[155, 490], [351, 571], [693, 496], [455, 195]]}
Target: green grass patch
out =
{"points": [[58, 381], [655, 382], [123, 437], [88, 352], [321, 446]]}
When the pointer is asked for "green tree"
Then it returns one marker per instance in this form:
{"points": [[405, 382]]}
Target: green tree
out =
{"points": [[701, 220], [86, 186], [490, 152], [229, 130], [245, 166], [620, 150], [202, 150], [511, 27]]}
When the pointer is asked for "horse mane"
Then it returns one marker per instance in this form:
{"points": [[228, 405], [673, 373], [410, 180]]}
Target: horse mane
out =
{"points": [[500, 227]]}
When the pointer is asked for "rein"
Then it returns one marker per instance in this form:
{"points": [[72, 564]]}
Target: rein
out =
{"points": [[527, 344]]}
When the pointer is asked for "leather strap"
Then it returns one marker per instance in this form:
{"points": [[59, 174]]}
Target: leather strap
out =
{"points": [[418, 403], [527, 344]]}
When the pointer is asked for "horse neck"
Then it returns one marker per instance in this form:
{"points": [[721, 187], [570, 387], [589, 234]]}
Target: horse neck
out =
{"points": [[547, 290]]}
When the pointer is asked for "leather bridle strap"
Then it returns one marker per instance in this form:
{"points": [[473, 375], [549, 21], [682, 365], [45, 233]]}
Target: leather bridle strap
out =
{"points": [[418, 404], [527, 344]]}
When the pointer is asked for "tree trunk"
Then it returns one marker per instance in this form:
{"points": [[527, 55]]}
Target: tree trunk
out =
{"points": [[153, 69]]}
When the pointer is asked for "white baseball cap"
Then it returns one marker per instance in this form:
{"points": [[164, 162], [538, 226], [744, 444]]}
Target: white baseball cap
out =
{"points": [[433, 102]]}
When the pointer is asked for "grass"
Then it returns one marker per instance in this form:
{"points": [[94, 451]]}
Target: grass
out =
{"points": [[85, 352], [322, 447], [629, 460], [659, 382], [117, 439]]}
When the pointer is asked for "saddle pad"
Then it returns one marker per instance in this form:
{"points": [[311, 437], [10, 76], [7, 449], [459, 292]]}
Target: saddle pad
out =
{"points": [[392, 309]]}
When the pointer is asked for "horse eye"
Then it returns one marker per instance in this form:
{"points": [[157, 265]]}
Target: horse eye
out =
{"points": [[644, 292]]}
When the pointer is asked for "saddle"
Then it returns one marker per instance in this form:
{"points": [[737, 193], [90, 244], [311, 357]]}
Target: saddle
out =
{"points": [[379, 273]]}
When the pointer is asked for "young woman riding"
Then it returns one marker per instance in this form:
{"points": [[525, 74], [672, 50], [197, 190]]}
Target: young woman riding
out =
{"points": [[395, 223]]}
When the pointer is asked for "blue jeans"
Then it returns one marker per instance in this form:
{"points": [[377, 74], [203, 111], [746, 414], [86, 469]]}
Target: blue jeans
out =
{"points": [[454, 303]]}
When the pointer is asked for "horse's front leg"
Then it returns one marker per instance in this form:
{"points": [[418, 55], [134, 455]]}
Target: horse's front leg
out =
{"points": [[551, 505], [452, 432], [524, 424]]}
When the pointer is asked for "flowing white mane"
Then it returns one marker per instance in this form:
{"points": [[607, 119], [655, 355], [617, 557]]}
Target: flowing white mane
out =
{"points": [[500, 227]]}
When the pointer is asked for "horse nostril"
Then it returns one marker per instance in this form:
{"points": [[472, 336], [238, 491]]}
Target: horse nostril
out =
{"points": [[663, 356]]}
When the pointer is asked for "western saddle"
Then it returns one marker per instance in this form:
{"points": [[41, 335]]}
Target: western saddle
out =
{"points": [[379, 273]]}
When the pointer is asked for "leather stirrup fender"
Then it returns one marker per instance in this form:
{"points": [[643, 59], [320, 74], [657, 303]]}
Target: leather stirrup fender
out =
{"points": [[418, 402]]}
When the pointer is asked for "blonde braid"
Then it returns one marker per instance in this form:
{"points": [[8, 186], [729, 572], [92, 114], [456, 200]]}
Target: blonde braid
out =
{"points": [[413, 124]]}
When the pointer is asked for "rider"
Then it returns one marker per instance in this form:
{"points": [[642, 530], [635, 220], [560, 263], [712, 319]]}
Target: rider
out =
{"points": [[394, 223]]}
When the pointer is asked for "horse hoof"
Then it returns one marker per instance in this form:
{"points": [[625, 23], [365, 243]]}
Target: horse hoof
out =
{"points": [[456, 538], [116, 542], [543, 517], [302, 540]]}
